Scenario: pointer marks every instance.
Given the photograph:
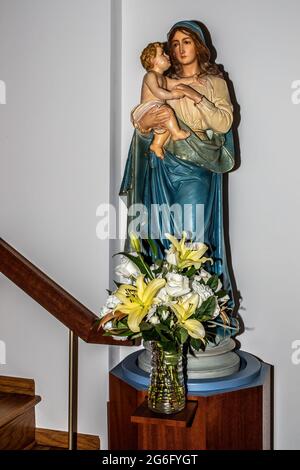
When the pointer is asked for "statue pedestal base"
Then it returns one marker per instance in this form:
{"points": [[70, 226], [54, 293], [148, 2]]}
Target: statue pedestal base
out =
{"points": [[230, 413], [215, 361]]}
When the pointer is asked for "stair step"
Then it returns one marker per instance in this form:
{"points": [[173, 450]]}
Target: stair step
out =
{"points": [[13, 405], [18, 385]]}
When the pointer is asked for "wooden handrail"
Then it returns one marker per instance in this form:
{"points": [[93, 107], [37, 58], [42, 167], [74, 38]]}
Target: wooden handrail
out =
{"points": [[52, 297]]}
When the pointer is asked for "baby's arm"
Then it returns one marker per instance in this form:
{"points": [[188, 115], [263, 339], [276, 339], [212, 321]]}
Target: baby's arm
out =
{"points": [[151, 81], [172, 82]]}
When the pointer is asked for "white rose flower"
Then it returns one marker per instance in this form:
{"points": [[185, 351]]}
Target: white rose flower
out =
{"points": [[162, 296], [154, 320], [104, 310], [204, 293], [202, 290], [112, 301], [127, 268], [177, 284]]}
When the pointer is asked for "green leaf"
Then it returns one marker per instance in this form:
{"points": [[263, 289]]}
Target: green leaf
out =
{"points": [[169, 346], [204, 318], [207, 308], [164, 332], [153, 247], [144, 326], [213, 282], [211, 336], [182, 335], [221, 293], [196, 343], [150, 335], [123, 333], [191, 271], [136, 335], [122, 324], [159, 262]]}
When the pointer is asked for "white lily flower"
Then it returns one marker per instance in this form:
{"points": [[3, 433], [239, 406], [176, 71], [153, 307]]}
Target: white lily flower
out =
{"points": [[177, 284], [171, 256]]}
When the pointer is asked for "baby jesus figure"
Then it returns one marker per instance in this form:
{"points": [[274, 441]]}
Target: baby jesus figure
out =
{"points": [[156, 89]]}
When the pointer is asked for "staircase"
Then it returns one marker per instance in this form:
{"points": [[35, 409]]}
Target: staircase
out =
{"points": [[17, 421], [17, 396], [17, 413]]}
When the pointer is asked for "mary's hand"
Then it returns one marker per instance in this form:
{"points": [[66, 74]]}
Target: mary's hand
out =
{"points": [[189, 92], [156, 117]]}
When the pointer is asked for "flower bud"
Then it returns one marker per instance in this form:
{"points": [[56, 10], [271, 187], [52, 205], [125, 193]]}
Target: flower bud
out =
{"points": [[135, 242]]}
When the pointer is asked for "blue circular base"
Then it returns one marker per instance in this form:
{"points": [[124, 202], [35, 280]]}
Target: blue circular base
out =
{"points": [[249, 374]]}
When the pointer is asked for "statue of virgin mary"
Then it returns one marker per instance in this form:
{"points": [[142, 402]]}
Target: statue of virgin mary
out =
{"points": [[190, 175]]}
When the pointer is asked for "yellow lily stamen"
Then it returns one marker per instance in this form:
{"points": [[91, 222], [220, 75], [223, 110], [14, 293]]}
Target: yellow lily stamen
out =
{"points": [[187, 257], [137, 300]]}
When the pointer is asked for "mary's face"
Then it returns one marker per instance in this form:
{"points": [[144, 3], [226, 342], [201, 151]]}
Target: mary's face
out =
{"points": [[183, 48]]}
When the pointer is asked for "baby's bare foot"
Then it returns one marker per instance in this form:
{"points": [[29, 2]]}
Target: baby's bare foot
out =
{"points": [[159, 151], [181, 135]]}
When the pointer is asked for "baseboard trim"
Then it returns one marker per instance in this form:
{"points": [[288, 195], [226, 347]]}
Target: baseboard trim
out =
{"points": [[53, 438]]}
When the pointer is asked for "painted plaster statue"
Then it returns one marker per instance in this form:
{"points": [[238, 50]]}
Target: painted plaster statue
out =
{"points": [[186, 172]]}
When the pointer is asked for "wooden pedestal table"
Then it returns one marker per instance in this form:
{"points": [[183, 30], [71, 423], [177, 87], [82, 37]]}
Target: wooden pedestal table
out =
{"points": [[231, 413]]}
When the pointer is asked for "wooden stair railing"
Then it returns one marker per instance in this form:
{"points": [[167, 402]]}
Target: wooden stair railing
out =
{"points": [[53, 297], [63, 306]]}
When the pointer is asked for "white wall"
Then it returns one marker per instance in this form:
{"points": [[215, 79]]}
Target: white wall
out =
{"points": [[257, 42], [54, 147]]}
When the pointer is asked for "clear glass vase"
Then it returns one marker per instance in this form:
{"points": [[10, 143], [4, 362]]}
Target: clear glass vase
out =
{"points": [[166, 393]]}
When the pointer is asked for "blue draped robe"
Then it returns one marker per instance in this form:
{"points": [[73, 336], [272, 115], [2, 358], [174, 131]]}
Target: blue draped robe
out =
{"points": [[190, 173]]}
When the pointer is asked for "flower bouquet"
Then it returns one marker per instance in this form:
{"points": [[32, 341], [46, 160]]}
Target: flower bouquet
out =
{"points": [[171, 302]]}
